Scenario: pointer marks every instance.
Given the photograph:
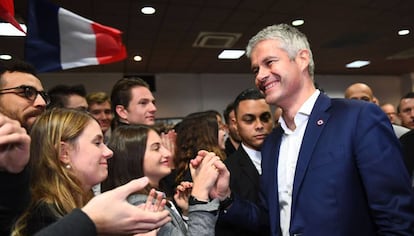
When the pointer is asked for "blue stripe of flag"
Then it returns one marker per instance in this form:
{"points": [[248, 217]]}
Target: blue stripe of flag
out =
{"points": [[42, 46]]}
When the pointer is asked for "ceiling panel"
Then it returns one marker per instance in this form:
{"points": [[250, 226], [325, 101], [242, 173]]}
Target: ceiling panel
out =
{"points": [[339, 32]]}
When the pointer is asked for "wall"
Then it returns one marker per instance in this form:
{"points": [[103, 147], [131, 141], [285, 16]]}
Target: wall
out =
{"points": [[180, 94]]}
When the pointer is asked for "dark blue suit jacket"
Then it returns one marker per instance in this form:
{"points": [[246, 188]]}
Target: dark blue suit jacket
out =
{"points": [[350, 177]]}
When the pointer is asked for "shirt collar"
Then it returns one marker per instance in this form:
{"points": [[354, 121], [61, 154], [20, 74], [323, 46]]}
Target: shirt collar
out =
{"points": [[304, 111], [251, 152]]}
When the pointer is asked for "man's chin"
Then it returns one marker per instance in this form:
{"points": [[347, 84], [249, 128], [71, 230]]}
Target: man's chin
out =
{"points": [[29, 122], [150, 122]]}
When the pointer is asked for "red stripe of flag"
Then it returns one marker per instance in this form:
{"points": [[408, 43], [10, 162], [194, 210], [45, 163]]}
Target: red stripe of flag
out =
{"points": [[109, 47]]}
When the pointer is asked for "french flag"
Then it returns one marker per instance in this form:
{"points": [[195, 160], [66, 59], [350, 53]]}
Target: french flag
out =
{"points": [[58, 39]]}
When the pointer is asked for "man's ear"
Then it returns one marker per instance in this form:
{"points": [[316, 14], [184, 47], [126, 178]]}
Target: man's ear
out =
{"points": [[233, 122], [121, 111], [64, 153], [303, 59]]}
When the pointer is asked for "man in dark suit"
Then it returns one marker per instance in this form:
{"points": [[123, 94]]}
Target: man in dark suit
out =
{"points": [[407, 142], [332, 167], [254, 122]]}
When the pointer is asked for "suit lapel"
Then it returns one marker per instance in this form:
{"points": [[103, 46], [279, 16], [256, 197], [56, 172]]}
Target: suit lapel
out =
{"points": [[248, 167], [268, 180], [314, 128]]}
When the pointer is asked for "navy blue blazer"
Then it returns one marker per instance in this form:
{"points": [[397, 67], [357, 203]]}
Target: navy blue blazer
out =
{"points": [[350, 177]]}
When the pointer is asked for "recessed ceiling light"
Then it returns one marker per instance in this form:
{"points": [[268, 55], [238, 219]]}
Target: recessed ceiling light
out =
{"points": [[148, 10], [7, 29], [231, 54], [403, 32], [298, 22], [357, 64], [5, 57], [137, 58]]}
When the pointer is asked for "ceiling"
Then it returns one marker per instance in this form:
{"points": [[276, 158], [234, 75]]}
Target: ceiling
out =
{"points": [[339, 32]]}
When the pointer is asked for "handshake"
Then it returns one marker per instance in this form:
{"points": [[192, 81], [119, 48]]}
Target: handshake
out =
{"points": [[210, 177]]}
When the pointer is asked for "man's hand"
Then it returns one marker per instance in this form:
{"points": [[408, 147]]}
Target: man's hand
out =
{"points": [[221, 189], [14, 145], [112, 214]]}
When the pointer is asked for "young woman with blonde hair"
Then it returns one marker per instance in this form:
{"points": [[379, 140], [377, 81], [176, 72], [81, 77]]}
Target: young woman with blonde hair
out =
{"points": [[67, 157]]}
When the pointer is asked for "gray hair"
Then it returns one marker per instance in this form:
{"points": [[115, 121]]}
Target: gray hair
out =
{"points": [[291, 39]]}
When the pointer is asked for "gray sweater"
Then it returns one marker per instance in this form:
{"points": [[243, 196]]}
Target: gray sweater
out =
{"points": [[202, 218]]}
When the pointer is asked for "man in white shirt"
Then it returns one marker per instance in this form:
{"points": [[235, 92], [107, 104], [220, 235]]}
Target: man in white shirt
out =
{"points": [[332, 167]]}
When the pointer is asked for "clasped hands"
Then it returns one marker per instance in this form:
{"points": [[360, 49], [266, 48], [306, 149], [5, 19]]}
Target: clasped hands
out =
{"points": [[210, 177]]}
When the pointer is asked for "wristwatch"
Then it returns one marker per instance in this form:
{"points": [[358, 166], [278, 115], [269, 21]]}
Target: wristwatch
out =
{"points": [[227, 202], [194, 201]]}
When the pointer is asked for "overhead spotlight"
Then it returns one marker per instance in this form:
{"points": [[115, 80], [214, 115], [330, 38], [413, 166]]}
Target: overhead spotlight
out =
{"points": [[5, 57], [298, 22], [231, 54], [137, 58], [148, 10], [403, 32], [357, 64]]}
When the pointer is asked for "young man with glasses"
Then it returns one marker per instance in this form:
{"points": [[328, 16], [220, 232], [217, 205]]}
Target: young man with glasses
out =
{"points": [[23, 99], [22, 96]]}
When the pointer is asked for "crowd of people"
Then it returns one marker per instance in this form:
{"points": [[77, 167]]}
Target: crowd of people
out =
{"points": [[73, 163]]}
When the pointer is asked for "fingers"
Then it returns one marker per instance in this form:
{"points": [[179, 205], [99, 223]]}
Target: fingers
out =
{"points": [[207, 159], [184, 189], [165, 219], [133, 186], [150, 221], [219, 165], [168, 140], [199, 158], [12, 132], [150, 200], [155, 201], [159, 203]]}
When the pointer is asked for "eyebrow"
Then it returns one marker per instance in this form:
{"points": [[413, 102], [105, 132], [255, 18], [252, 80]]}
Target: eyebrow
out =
{"points": [[156, 144], [147, 100], [98, 136]]}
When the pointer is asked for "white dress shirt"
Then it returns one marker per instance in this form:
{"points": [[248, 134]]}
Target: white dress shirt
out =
{"points": [[255, 156], [288, 157]]}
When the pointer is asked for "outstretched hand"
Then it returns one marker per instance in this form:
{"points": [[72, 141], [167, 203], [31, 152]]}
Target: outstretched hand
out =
{"points": [[121, 217]]}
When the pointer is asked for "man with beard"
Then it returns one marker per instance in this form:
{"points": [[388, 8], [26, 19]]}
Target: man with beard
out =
{"points": [[22, 98]]}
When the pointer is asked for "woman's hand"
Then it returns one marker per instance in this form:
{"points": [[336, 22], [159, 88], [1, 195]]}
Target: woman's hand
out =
{"points": [[182, 194]]}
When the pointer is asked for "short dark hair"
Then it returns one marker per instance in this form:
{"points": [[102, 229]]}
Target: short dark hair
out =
{"points": [[408, 95], [227, 111], [248, 94], [60, 93], [16, 65], [121, 92]]}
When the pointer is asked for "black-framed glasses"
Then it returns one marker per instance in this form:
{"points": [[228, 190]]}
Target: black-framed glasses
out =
{"points": [[29, 92]]}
